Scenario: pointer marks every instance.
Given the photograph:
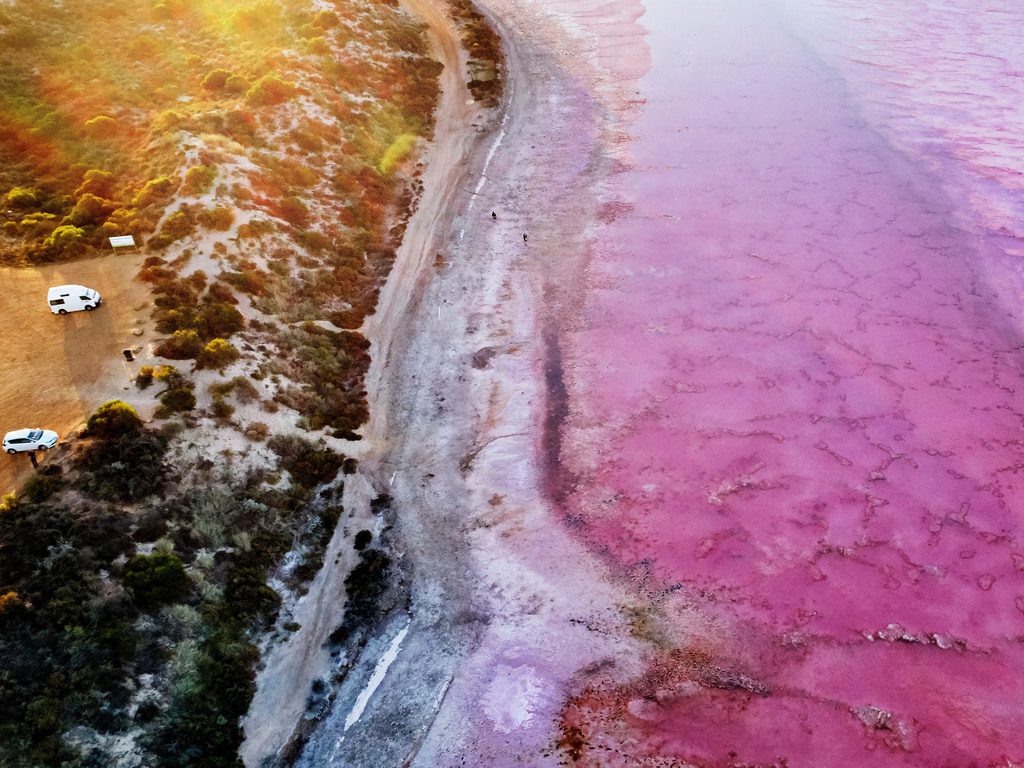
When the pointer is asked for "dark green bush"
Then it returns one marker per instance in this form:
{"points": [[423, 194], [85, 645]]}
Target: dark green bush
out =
{"points": [[41, 486], [218, 320], [154, 191], [365, 587], [221, 408], [182, 345], [198, 180], [156, 579], [177, 400], [307, 463], [97, 182], [124, 468], [249, 596]]}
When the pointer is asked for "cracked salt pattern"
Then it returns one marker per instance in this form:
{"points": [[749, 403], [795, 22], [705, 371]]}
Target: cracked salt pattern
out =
{"points": [[795, 389]]}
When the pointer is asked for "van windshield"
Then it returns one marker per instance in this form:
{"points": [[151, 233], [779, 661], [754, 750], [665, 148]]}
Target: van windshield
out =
{"points": [[35, 434]]}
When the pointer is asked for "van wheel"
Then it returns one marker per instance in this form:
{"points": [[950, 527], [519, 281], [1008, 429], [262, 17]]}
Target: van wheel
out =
{"points": [[90, 307], [62, 311], [11, 451], [42, 448]]}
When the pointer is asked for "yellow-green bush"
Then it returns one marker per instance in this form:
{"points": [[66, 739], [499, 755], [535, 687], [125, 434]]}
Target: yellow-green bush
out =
{"points": [[270, 90], [198, 180]]}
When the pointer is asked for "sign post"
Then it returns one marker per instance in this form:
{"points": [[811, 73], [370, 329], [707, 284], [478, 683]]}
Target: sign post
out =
{"points": [[122, 241]]}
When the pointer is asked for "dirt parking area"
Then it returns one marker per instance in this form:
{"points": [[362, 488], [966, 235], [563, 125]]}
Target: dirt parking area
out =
{"points": [[54, 369]]}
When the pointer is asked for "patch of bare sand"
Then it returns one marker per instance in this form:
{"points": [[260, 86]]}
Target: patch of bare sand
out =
{"points": [[56, 369]]}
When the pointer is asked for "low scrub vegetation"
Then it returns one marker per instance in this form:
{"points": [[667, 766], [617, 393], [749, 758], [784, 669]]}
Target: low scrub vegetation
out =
{"points": [[109, 570]]}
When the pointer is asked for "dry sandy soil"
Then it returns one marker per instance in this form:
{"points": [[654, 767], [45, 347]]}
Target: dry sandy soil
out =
{"points": [[464, 382], [57, 369]]}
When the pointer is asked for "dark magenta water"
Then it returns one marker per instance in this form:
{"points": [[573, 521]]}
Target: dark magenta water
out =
{"points": [[797, 388]]}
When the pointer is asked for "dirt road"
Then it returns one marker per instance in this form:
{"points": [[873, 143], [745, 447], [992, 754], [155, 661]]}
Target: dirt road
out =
{"points": [[57, 369]]}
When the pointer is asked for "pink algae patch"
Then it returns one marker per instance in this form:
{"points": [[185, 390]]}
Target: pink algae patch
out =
{"points": [[794, 397]]}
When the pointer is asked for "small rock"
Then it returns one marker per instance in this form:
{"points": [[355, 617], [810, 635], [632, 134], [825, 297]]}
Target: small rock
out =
{"points": [[137, 331]]}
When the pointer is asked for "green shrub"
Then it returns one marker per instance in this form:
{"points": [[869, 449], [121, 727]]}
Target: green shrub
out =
{"points": [[245, 391], [236, 84], [270, 90], [249, 595], [23, 197], [219, 219], [198, 180], [155, 190], [365, 586], [171, 377], [113, 419], [144, 377], [251, 281], [307, 463], [156, 579], [294, 211], [218, 320], [221, 293], [221, 408], [178, 225], [67, 239], [257, 431], [177, 400], [124, 468], [96, 182], [216, 79], [218, 354], [182, 345], [318, 45], [89, 210], [326, 20], [40, 486], [102, 126]]}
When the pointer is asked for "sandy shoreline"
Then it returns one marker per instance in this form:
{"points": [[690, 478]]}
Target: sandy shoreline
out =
{"points": [[465, 351]]}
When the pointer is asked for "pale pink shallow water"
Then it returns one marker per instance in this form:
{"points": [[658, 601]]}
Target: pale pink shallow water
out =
{"points": [[797, 387]]}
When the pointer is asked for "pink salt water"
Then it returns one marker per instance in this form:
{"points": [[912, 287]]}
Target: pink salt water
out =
{"points": [[796, 394]]}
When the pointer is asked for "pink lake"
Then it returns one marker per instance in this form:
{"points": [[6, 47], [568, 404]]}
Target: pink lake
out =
{"points": [[796, 394]]}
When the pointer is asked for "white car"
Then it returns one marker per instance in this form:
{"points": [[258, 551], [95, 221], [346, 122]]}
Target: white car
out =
{"points": [[30, 440], [71, 298]]}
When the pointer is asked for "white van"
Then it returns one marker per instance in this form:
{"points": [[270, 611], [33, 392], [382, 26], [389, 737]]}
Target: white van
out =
{"points": [[71, 298]]}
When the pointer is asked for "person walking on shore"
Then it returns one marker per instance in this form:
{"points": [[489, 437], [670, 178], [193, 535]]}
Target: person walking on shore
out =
{"points": [[524, 237], [494, 216]]}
